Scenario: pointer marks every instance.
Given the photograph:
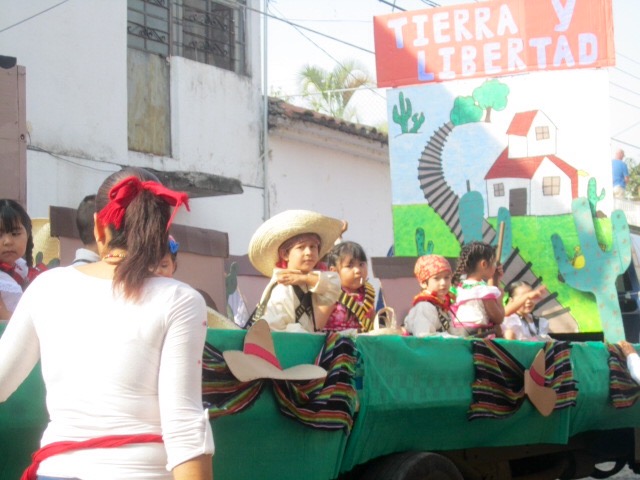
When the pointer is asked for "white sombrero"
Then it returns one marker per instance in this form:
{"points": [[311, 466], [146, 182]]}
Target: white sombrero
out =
{"points": [[258, 359], [43, 242], [543, 398], [264, 245]]}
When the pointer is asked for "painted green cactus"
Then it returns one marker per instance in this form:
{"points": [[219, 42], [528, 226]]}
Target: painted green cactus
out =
{"points": [[405, 113], [592, 195], [601, 268], [421, 238], [471, 212]]}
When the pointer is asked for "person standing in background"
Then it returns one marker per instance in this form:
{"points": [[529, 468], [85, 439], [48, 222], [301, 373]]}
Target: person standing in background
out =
{"points": [[620, 174], [85, 223]]}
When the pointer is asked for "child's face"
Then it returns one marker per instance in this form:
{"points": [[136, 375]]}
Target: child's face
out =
{"points": [[167, 266], [13, 244], [487, 269], [303, 255], [529, 304], [439, 284], [352, 272]]}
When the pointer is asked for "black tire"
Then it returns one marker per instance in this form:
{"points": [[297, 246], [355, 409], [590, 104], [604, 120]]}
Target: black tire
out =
{"points": [[411, 466]]}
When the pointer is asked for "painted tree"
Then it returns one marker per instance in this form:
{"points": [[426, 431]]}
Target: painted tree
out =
{"points": [[464, 111], [330, 91], [491, 95]]}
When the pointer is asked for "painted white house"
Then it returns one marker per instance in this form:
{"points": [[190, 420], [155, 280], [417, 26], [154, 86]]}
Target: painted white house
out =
{"points": [[176, 86], [528, 178]]}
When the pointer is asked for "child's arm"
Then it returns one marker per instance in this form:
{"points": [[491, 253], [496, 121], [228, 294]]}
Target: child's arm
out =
{"points": [[5, 314], [633, 360], [495, 310], [514, 305]]}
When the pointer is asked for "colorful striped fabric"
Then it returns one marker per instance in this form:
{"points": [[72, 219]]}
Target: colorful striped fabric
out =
{"points": [[498, 390], [222, 393], [327, 403], [623, 389]]}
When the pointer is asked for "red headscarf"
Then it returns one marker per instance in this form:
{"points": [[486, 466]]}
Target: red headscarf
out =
{"points": [[123, 192]]}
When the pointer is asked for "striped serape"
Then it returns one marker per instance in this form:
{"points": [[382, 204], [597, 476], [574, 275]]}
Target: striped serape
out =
{"points": [[623, 389], [498, 390], [328, 403]]}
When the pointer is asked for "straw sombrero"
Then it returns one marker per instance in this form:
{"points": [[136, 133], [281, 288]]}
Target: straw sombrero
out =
{"points": [[543, 398], [44, 243], [258, 359], [216, 320], [263, 247]]}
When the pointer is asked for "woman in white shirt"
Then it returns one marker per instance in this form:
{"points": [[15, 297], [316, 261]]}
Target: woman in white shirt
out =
{"points": [[120, 349]]}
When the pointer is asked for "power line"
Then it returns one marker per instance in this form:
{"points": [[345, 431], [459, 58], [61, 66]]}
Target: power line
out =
{"points": [[624, 88], [295, 25], [625, 143], [622, 101], [628, 128], [32, 16], [628, 58], [627, 73]]}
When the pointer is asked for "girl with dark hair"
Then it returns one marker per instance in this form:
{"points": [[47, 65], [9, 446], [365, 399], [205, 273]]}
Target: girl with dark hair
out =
{"points": [[16, 257], [355, 308], [120, 348], [520, 323], [477, 277]]}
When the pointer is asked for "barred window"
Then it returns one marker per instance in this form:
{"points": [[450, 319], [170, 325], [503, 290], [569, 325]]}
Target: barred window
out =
{"points": [[542, 133], [498, 189], [207, 31], [551, 186]]}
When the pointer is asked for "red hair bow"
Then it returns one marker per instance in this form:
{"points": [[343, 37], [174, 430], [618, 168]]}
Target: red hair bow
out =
{"points": [[123, 192]]}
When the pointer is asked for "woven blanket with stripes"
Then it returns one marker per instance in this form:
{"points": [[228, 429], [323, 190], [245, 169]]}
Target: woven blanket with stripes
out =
{"points": [[328, 403], [498, 389], [623, 389]]}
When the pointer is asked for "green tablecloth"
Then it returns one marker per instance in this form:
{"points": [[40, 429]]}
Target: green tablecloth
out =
{"points": [[415, 396]]}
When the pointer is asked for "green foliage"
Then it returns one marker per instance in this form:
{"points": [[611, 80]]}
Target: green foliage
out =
{"points": [[330, 92], [408, 218], [601, 269], [403, 112], [492, 94], [633, 186], [464, 111], [593, 197]]}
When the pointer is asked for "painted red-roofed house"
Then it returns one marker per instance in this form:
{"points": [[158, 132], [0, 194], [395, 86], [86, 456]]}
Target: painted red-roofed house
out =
{"points": [[527, 177]]}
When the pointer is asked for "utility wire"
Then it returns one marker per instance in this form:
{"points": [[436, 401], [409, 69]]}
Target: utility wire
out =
{"points": [[284, 20], [622, 101], [624, 88], [626, 73], [628, 58], [625, 143], [327, 53], [32, 16], [59, 157], [627, 129]]}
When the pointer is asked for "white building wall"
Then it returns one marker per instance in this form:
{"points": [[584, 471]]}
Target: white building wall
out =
{"points": [[547, 204], [542, 147], [509, 183], [517, 146], [335, 183]]}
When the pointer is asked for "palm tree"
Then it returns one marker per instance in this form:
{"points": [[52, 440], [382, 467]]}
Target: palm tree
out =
{"points": [[330, 91]]}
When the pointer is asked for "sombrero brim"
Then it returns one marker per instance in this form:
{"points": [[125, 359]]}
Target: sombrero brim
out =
{"points": [[543, 398], [247, 368], [43, 242], [219, 321], [264, 245]]}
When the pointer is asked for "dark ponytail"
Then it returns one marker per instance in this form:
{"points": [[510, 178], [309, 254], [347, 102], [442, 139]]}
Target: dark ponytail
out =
{"points": [[471, 254], [143, 234]]}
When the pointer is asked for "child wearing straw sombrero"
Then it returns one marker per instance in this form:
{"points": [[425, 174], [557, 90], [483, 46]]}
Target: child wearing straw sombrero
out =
{"points": [[287, 248]]}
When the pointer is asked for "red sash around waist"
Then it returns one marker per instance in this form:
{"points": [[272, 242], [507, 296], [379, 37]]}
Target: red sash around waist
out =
{"points": [[110, 441]]}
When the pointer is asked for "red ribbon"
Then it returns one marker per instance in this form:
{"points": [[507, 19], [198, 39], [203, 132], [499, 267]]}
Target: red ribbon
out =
{"points": [[56, 448], [426, 296], [123, 193]]}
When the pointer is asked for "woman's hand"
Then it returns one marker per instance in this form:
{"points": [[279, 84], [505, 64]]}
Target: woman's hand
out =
{"points": [[627, 348]]}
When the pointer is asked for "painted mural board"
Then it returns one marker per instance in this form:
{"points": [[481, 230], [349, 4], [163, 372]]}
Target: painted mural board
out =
{"points": [[530, 150]]}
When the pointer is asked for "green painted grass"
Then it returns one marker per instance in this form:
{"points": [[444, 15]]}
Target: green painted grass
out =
{"points": [[532, 235]]}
